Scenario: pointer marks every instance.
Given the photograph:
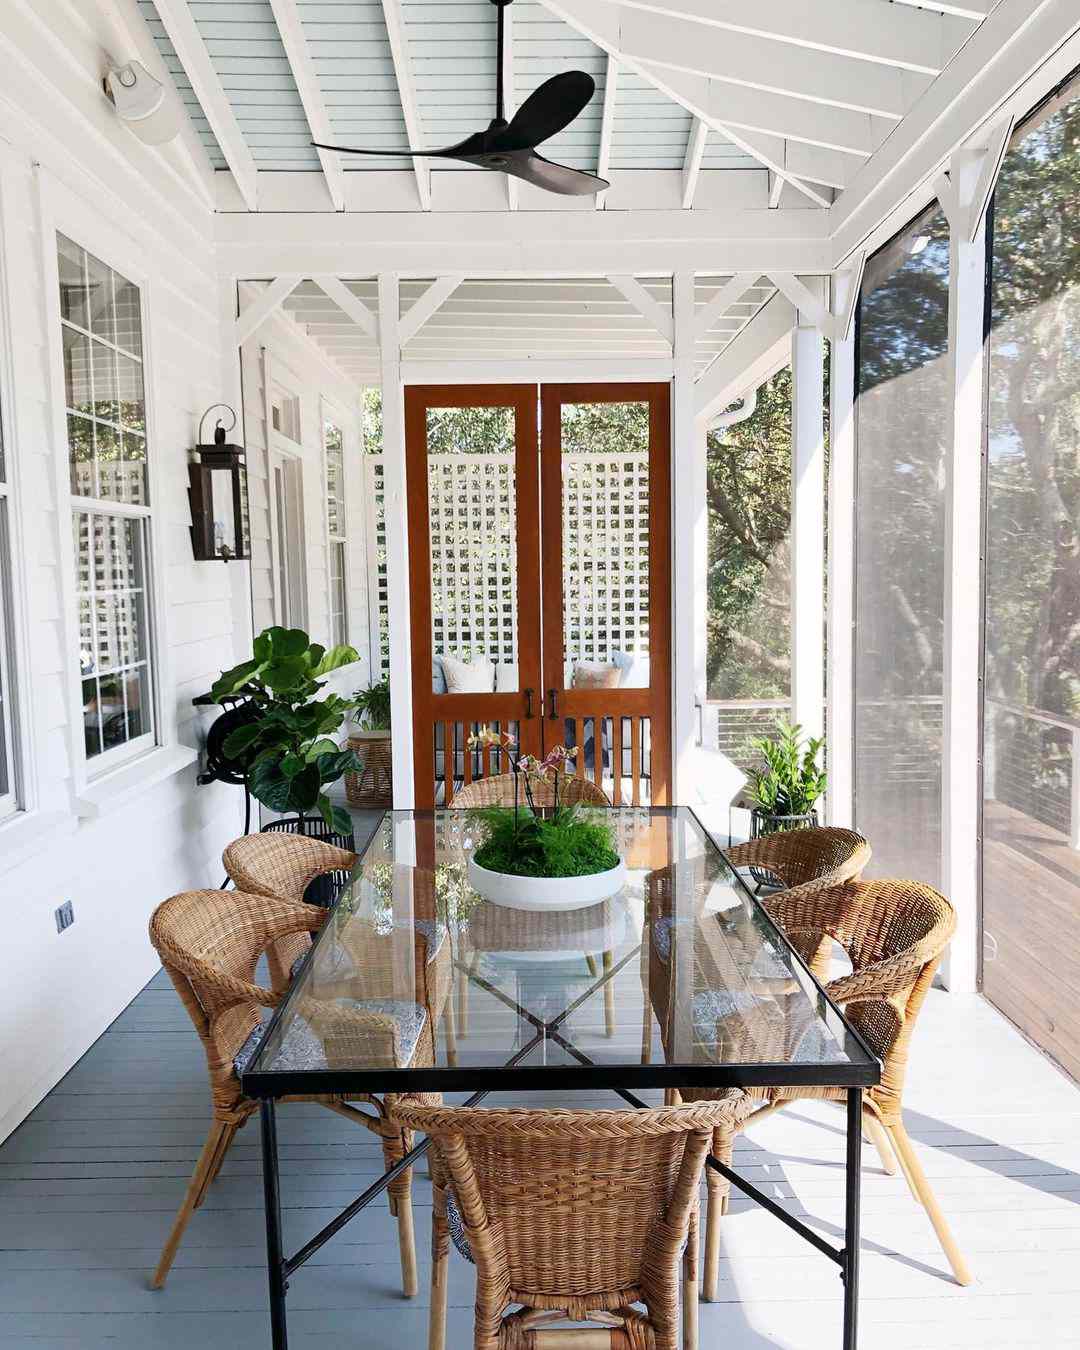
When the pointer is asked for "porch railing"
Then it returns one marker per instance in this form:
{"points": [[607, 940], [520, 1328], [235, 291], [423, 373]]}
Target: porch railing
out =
{"points": [[1031, 761]]}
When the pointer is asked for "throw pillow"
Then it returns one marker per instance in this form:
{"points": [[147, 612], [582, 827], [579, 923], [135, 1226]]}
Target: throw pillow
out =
{"points": [[465, 677], [595, 675]]}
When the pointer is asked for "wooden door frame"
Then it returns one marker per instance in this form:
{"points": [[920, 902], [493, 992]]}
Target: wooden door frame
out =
{"points": [[655, 701], [427, 706]]}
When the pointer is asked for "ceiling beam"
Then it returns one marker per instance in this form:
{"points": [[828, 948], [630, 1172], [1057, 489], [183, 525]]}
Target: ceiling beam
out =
{"points": [[509, 101], [607, 125], [636, 295], [729, 294], [191, 52], [291, 31], [695, 153], [966, 9], [599, 28], [410, 110], [354, 307], [737, 58], [260, 309], [422, 309], [879, 31]]}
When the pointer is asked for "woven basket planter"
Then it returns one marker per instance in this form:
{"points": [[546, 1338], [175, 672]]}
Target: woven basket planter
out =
{"points": [[373, 784]]}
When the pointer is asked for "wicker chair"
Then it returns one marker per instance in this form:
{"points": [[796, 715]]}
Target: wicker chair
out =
{"points": [[210, 943], [574, 1215], [282, 865], [894, 933], [820, 857], [498, 790]]}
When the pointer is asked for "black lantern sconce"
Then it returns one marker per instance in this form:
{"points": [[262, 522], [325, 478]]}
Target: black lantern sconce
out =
{"points": [[217, 491]]}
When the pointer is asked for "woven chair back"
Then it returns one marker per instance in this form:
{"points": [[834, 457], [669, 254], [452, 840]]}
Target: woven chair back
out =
{"points": [[796, 857], [565, 1205], [498, 790]]}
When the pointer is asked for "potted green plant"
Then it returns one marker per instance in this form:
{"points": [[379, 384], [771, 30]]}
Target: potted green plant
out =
{"points": [[561, 858], [372, 783], [786, 790], [288, 749]]}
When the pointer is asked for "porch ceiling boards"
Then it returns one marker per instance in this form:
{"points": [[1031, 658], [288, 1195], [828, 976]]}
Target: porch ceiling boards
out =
{"points": [[496, 319], [803, 95]]}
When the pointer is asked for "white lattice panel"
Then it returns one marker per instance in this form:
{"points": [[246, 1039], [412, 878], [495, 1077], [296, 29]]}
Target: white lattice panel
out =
{"points": [[472, 511], [605, 555], [472, 521]]}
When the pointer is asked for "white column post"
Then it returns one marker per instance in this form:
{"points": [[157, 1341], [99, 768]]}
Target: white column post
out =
{"points": [[840, 798], [961, 784], [689, 521], [808, 528], [397, 538]]}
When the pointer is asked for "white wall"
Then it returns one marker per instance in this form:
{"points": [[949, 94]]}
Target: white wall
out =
{"points": [[66, 161], [297, 363]]}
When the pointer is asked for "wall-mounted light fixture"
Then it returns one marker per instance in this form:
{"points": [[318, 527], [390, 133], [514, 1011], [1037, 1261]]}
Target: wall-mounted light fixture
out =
{"points": [[217, 491], [142, 103]]}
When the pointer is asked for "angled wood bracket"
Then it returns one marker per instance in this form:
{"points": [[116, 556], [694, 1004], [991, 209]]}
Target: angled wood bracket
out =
{"points": [[635, 293]]}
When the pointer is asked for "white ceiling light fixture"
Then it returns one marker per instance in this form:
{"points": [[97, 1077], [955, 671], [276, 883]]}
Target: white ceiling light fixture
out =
{"points": [[142, 103]]}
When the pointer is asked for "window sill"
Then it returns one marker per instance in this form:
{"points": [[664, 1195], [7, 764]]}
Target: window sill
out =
{"points": [[28, 832], [116, 789]]}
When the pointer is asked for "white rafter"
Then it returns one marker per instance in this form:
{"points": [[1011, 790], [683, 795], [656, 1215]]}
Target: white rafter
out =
{"points": [[603, 27], [809, 305], [353, 306], [695, 153], [880, 31], [291, 31], [729, 294], [607, 124], [426, 305], [191, 52], [260, 309], [509, 101], [635, 294], [410, 111]]}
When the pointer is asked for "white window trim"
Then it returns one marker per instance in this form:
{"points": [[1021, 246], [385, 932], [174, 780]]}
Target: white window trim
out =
{"points": [[25, 814], [329, 411], [61, 211]]}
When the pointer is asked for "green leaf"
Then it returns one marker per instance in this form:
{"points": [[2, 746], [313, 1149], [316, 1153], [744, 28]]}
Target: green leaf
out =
{"points": [[304, 788], [323, 746], [269, 785], [334, 816], [335, 658], [331, 767], [289, 643], [286, 674], [263, 646], [291, 764], [230, 681], [236, 742]]}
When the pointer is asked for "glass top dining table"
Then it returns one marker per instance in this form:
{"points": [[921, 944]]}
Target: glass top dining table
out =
{"points": [[418, 984]]}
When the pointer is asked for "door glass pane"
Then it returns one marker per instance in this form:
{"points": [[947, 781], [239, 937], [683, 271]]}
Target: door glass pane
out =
{"points": [[902, 412], [472, 513], [1031, 830], [605, 514]]}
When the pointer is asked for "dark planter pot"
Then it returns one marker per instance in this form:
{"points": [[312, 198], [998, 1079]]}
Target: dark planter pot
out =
{"points": [[324, 890], [763, 823]]}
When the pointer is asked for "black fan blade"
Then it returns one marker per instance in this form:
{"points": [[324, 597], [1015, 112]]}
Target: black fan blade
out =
{"points": [[471, 145], [545, 112], [534, 168]]}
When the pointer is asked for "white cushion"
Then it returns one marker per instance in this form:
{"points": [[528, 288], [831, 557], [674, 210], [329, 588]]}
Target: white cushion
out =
{"points": [[633, 669], [464, 677], [506, 677]]}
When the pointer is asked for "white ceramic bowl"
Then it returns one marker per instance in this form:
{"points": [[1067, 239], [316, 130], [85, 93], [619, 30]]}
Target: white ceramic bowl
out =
{"points": [[545, 892]]}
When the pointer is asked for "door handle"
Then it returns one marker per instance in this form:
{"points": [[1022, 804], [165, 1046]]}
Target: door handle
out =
{"points": [[553, 707], [528, 704]]}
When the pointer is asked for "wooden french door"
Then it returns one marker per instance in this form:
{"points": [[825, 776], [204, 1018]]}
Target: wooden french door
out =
{"points": [[540, 582]]}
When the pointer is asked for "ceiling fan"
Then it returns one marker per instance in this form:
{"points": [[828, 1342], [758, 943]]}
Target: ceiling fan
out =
{"points": [[510, 147]]}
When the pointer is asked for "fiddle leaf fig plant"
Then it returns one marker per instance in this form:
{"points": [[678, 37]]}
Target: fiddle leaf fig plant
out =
{"points": [[290, 750], [791, 781]]}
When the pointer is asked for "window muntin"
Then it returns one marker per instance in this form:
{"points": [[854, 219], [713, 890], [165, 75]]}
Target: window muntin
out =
{"points": [[102, 338], [335, 525], [101, 331]]}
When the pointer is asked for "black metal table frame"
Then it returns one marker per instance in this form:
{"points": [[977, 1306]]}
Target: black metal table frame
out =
{"points": [[514, 1075]]}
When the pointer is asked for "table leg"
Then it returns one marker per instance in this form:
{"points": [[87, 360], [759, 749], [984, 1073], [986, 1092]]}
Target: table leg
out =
{"points": [[272, 1202], [853, 1181]]}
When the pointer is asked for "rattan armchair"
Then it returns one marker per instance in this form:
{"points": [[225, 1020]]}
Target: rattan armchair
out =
{"points": [[894, 933], [498, 790], [210, 942], [573, 1215], [282, 865], [823, 857]]}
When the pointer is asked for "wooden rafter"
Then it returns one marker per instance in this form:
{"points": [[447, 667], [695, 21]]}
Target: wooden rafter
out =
{"points": [[183, 33], [636, 295], [410, 110], [260, 309], [291, 31], [607, 124], [695, 153], [509, 99]]}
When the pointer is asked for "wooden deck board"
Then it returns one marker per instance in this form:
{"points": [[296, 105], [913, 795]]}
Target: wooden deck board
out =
{"points": [[89, 1183]]}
